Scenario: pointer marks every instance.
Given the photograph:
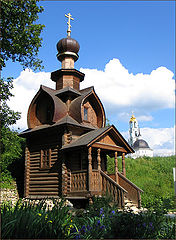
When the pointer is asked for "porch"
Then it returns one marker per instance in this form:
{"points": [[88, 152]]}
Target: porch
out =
{"points": [[86, 183], [85, 167]]}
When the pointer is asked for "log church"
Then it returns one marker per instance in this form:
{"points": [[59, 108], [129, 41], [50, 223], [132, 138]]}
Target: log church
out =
{"points": [[67, 140]]}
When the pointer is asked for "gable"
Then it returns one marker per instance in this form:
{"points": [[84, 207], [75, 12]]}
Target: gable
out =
{"points": [[106, 139], [111, 139]]}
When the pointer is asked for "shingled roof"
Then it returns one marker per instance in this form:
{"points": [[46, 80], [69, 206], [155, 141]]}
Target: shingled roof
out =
{"points": [[86, 138], [67, 120]]}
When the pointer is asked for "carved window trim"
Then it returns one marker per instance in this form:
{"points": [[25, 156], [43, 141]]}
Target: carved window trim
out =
{"points": [[45, 158]]}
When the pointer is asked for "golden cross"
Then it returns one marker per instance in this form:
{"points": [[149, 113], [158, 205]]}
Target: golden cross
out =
{"points": [[69, 26]]}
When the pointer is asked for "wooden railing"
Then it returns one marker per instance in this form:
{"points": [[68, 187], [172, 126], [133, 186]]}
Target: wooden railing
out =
{"points": [[95, 181], [134, 193], [79, 180], [110, 187]]}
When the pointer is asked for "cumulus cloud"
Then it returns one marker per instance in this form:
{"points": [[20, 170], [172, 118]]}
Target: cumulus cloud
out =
{"points": [[161, 140], [118, 89]]}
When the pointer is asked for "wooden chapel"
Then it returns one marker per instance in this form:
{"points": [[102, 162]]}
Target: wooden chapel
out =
{"points": [[68, 142]]}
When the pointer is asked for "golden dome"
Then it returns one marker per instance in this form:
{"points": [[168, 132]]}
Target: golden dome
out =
{"points": [[132, 119]]}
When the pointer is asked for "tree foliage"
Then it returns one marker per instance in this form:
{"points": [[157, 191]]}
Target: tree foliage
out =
{"points": [[8, 116], [20, 35], [10, 142]]}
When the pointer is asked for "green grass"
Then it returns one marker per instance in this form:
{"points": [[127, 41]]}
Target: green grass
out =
{"points": [[153, 175]]}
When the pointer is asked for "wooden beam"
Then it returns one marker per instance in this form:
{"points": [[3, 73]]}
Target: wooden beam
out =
{"points": [[109, 147], [90, 167], [99, 167], [116, 168], [123, 164]]}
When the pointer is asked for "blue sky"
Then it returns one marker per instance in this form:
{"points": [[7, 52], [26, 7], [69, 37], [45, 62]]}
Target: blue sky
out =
{"points": [[135, 37]]}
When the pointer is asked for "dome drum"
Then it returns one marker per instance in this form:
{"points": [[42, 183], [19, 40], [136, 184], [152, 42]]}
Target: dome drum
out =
{"points": [[61, 56]]}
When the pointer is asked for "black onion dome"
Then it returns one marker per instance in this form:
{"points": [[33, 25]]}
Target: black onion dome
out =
{"points": [[67, 46], [140, 143]]}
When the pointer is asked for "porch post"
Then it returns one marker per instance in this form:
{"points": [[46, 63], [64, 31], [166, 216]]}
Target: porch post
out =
{"points": [[99, 159], [99, 167], [116, 168], [123, 164], [90, 167]]}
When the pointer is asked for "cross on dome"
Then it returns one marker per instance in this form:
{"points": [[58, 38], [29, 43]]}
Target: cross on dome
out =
{"points": [[69, 25]]}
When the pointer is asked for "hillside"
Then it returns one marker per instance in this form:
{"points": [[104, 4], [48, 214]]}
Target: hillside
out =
{"points": [[153, 175]]}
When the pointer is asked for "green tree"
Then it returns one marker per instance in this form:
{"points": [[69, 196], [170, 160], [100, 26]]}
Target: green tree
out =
{"points": [[20, 35], [20, 42], [10, 142], [8, 116]]}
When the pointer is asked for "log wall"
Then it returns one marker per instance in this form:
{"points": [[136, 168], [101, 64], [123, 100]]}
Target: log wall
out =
{"points": [[43, 182]]}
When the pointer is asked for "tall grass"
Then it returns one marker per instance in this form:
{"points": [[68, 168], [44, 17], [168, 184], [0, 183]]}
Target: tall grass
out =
{"points": [[29, 221], [153, 175], [100, 221]]}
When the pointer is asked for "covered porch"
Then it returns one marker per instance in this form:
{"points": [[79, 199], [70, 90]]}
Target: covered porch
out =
{"points": [[89, 177]]}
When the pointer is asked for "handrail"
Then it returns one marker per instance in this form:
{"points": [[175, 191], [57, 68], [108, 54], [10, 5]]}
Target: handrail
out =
{"points": [[127, 180], [112, 181]]}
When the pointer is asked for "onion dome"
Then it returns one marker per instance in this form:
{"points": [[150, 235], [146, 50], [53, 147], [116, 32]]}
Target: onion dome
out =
{"points": [[140, 143], [68, 47], [133, 119]]}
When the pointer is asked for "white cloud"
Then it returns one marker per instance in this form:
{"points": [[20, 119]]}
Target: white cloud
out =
{"points": [[25, 88], [118, 89], [161, 140], [125, 116]]}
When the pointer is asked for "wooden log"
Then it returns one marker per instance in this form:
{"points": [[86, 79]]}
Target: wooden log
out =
{"points": [[33, 167], [43, 189], [123, 164], [35, 161], [116, 168], [90, 168], [45, 178], [35, 164], [99, 168], [35, 155], [41, 174], [44, 182], [44, 193], [43, 186]]}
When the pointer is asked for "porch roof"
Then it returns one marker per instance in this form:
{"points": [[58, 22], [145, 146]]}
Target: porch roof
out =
{"points": [[90, 139]]}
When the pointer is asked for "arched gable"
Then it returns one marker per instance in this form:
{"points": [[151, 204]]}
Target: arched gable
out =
{"points": [[88, 109], [45, 108]]}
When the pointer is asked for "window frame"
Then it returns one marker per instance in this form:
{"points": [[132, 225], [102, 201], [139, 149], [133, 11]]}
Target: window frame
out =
{"points": [[45, 158]]}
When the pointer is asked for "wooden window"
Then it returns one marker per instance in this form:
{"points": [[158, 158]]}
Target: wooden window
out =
{"points": [[45, 159], [85, 114]]}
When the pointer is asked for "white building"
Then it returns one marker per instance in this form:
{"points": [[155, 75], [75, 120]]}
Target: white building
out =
{"points": [[139, 145]]}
